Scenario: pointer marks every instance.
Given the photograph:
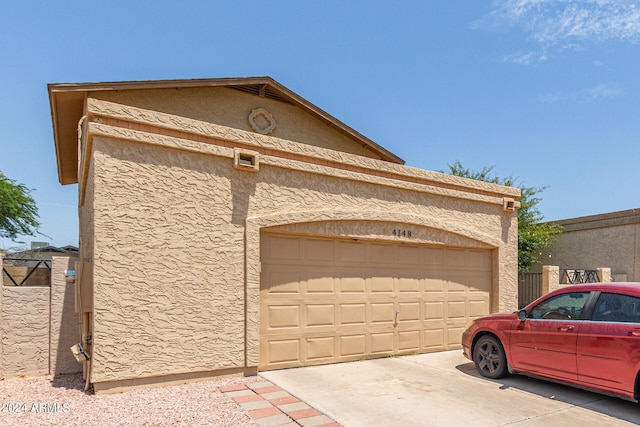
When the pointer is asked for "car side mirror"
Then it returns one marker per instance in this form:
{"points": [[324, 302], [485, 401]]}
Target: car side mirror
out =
{"points": [[522, 314]]}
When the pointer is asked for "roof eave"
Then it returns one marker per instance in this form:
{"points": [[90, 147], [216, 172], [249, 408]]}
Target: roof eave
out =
{"points": [[66, 111], [67, 102]]}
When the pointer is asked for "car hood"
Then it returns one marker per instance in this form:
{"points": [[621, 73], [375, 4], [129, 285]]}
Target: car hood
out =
{"points": [[501, 316]]}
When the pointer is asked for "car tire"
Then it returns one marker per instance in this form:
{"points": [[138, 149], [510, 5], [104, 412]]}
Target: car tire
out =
{"points": [[489, 357]]}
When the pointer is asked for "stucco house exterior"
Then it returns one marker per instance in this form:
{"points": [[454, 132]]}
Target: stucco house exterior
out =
{"points": [[229, 226], [606, 240]]}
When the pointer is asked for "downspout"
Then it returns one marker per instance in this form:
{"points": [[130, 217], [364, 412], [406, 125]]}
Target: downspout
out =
{"points": [[86, 320]]}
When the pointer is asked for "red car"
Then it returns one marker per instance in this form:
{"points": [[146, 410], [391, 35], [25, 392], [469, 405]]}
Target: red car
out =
{"points": [[583, 335]]}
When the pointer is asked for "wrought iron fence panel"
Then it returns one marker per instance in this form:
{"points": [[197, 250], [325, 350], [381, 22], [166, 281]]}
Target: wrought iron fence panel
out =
{"points": [[575, 276], [31, 264]]}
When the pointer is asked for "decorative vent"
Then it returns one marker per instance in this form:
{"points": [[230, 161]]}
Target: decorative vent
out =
{"points": [[262, 121], [246, 160]]}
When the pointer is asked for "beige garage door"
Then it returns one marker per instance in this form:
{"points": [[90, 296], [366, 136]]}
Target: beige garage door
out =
{"points": [[325, 300]]}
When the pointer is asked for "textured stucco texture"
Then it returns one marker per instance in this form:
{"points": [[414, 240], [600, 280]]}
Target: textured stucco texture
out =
{"points": [[172, 225], [25, 330], [38, 325], [65, 321]]}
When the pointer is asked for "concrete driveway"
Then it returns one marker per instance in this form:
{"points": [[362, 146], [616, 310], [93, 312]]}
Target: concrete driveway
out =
{"points": [[444, 389]]}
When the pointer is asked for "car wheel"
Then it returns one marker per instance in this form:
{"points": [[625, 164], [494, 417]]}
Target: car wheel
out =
{"points": [[488, 355]]}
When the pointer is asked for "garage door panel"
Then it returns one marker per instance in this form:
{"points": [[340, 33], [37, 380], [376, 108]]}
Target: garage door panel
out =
{"points": [[353, 314], [409, 341], [434, 339], [408, 311], [478, 283], [434, 285], [340, 300], [281, 249], [409, 256], [350, 280], [320, 315], [432, 257], [434, 314], [353, 345], [454, 337], [282, 316], [318, 251], [478, 260], [434, 310], [319, 281], [456, 310], [456, 283], [350, 253], [379, 281], [318, 349], [283, 351], [409, 281], [283, 279], [478, 307], [381, 343], [380, 254], [454, 259], [381, 313]]}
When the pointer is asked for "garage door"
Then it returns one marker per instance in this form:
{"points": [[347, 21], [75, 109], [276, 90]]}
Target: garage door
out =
{"points": [[326, 300]]}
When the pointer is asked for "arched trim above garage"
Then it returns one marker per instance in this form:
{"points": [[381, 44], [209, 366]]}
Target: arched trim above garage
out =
{"points": [[382, 223]]}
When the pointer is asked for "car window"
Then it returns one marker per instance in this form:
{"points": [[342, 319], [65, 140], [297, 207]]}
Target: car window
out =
{"points": [[561, 307], [616, 308]]}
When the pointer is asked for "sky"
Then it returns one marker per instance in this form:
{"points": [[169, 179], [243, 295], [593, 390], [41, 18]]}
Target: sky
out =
{"points": [[544, 91]]}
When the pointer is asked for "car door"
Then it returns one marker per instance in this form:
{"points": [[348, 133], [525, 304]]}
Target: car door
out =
{"points": [[545, 342], [608, 352]]}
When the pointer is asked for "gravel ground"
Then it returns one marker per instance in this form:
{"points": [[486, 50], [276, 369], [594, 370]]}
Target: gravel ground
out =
{"points": [[61, 400]]}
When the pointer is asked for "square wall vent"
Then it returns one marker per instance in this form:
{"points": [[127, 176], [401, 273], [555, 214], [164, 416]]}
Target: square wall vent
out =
{"points": [[509, 205], [246, 160]]}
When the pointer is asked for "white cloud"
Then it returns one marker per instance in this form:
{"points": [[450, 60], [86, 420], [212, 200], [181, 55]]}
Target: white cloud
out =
{"points": [[561, 22], [525, 58], [601, 91]]}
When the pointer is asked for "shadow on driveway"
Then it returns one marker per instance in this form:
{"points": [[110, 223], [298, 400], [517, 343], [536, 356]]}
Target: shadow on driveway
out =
{"points": [[611, 406]]}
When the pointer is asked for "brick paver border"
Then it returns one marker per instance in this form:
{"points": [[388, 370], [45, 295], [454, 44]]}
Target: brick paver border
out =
{"points": [[270, 406]]}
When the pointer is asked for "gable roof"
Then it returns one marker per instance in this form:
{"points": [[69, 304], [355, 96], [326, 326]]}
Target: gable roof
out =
{"points": [[67, 102]]}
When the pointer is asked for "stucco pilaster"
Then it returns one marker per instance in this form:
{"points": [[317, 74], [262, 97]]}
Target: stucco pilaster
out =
{"points": [[550, 278], [604, 274]]}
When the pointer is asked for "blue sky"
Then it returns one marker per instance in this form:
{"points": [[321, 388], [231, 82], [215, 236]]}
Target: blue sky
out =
{"points": [[547, 91]]}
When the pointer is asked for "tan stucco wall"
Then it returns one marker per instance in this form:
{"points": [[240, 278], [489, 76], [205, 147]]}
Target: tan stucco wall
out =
{"points": [[176, 232], [168, 276], [38, 325], [609, 240], [231, 108], [65, 322], [25, 330]]}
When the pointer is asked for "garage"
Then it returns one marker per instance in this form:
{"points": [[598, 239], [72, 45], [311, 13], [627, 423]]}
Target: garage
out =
{"points": [[326, 300], [295, 239]]}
